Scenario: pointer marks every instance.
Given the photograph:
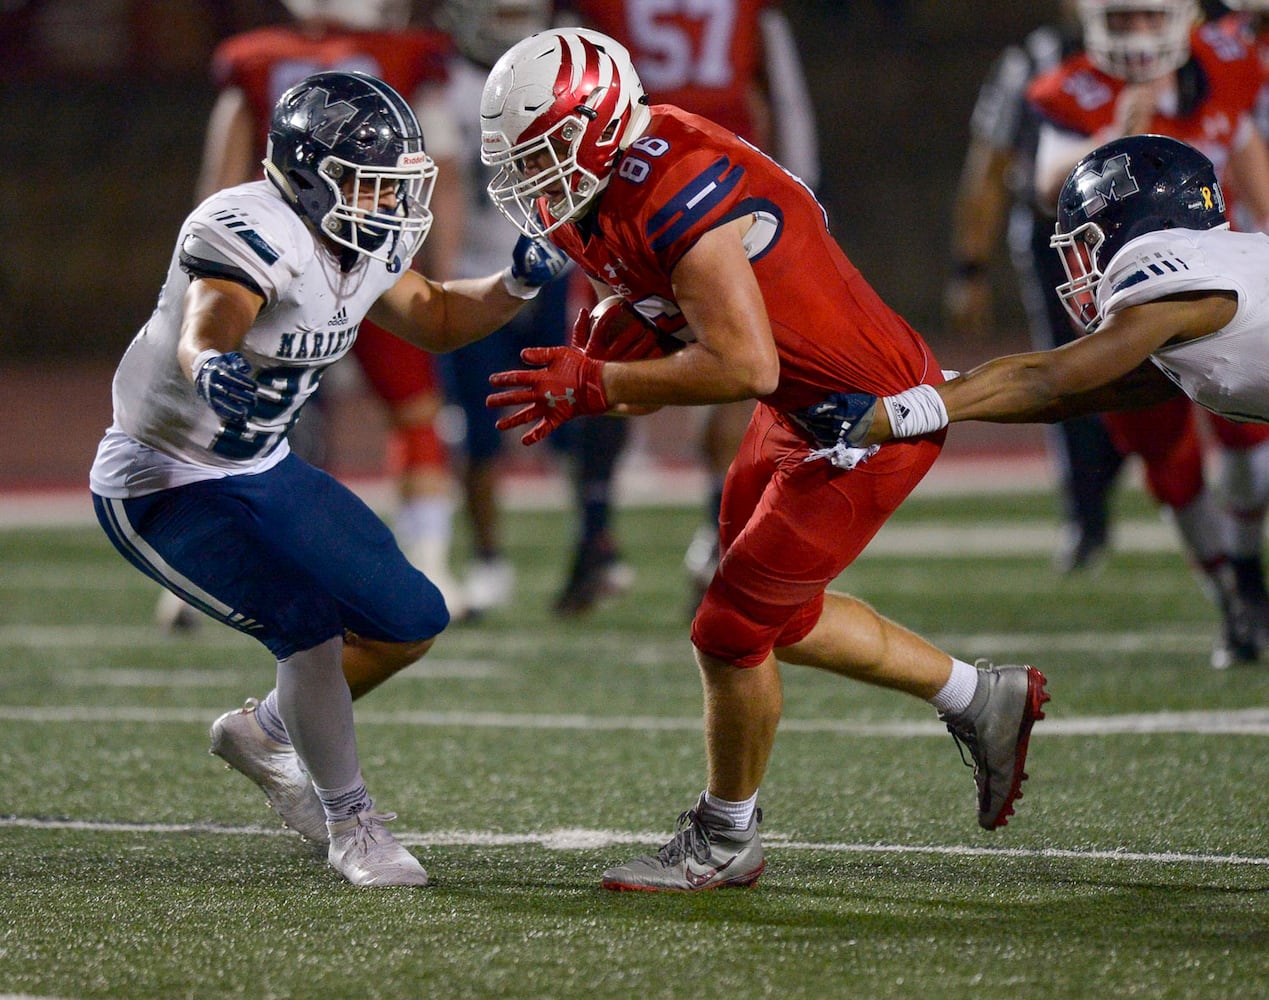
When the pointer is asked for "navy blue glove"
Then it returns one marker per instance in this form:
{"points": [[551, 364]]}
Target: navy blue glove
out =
{"points": [[534, 263], [224, 382], [841, 419]]}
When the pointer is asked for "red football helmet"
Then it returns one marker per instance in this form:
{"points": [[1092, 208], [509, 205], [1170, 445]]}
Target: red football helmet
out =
{"points": [[556, 113]]}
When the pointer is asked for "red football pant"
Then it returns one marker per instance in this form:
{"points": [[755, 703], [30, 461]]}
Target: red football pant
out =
{"points": [[789, 527]]}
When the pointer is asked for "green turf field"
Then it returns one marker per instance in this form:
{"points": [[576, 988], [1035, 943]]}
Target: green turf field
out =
{"points": [[524, 755]]}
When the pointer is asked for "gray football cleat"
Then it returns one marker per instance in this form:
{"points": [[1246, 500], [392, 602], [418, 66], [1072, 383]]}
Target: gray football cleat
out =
{"points": [[237, 738], [698, 856], [364, 852], [995, 729]]}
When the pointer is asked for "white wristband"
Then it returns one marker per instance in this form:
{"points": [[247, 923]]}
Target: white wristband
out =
{"points": [[516, 287], [202, 359], [915, 411]]}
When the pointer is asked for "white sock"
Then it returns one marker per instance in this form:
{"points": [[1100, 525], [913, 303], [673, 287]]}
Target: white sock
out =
{"points": [[345, 802], [1245, 484], [270, 721], [316, 706], [1204, 528], [954, 697], [424, 517], [737, 814]]}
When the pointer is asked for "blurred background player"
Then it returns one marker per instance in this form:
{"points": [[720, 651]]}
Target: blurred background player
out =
{"points": [[481, 30], [997, 188], [251, 71], [734, 62], [1248, 21], [1149, 67]]}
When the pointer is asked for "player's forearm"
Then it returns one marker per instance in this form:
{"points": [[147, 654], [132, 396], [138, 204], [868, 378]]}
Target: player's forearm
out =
{"points": [[1016, 389], [1006, 390], [441, 316], [474, 308], [694, 376]]}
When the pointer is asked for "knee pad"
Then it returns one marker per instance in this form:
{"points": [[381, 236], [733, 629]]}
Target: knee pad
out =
{"points": [[743, 632]]}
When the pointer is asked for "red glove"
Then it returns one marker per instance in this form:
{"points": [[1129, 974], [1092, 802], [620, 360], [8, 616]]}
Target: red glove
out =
{"points": [[571, 385]]}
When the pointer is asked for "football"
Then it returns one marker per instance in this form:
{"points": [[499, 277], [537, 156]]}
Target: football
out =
{"points": [[618, 333]]}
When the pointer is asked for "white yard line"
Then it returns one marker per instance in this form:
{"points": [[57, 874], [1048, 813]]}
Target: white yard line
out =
{"points": [[584, 839], [1244, 722]]}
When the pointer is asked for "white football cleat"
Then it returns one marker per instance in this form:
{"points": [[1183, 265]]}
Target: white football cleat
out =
{"points": [[237, 738], [364, 852], [490, 584]]}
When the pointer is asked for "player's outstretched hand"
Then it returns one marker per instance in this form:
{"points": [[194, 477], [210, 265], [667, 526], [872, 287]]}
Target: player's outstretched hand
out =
{"points": [[568, 385], [224, 382], [534, 263]]}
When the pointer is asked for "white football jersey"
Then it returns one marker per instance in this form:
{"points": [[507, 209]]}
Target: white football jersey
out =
{"points": [[165, 435], [1226, 372]]}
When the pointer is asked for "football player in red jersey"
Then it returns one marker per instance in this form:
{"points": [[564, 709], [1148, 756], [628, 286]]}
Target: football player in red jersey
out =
{"points": [[1148, 68], [716, 244], [251, 70], [1248, 22], [735, 63]]}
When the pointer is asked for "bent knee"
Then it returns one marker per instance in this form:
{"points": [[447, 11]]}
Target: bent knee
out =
{"points": [[399, 654], [743, 632]]}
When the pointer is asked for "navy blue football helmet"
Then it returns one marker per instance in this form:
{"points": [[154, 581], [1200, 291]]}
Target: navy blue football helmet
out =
{"points": [[346, 152], [1131, 186]]}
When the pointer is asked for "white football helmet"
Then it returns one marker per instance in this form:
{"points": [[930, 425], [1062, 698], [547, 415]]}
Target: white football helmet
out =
{"points": [[484, 29], [557, 111], [1138, 54], [359, 15]]}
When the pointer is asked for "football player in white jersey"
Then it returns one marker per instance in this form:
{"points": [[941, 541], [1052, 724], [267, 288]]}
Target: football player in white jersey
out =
{"points": [[1170, 299], [196, 486]]}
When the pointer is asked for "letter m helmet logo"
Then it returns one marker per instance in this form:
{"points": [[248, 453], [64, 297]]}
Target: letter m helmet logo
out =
{"points": [[324, 119], [1114, 182]]}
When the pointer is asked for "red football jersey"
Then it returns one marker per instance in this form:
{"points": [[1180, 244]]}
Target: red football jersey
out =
{"points": [[265, 62], [685, 176], [1080, 98], [701, 57]]}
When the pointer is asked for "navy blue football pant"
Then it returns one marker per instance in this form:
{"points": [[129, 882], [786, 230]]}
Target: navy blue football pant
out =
{"points": [[289, 556]]}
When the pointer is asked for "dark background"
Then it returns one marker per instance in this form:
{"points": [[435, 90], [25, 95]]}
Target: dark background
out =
{"points": [[104, 103]]}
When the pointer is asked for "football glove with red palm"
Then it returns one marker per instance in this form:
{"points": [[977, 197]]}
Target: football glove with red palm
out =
{"points": [[568, 385]]}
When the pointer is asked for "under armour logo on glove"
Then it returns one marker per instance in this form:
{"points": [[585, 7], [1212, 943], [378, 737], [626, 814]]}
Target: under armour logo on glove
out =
{"points": [[570, 385], [552, 399], [224, 382]]}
